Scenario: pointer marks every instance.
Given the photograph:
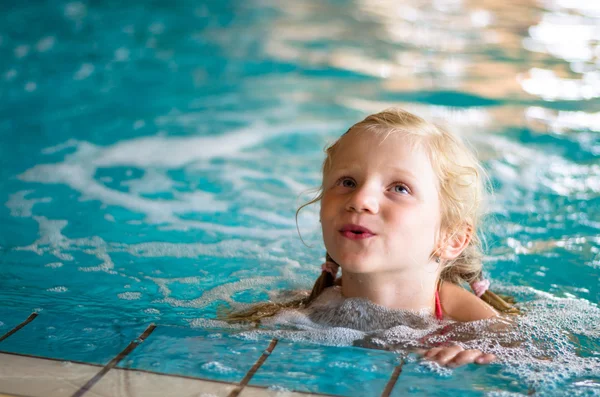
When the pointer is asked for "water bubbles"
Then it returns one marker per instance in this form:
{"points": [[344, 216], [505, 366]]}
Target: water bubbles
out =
{"points": [[122, 54], [139, 124], [130, 295], [156, 28], [84, 71], [10, 75], [433, 367], [57, 289], [30, 86], [21, 51], [217, 367], [45, 44], [75, 10]]}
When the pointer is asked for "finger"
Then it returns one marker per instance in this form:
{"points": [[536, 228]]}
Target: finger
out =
{"points": [[465, 357], [485, 358], [446, 355], [432, 352]]}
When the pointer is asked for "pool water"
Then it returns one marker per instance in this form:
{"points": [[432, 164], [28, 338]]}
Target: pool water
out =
{"points": [[153, 156]]}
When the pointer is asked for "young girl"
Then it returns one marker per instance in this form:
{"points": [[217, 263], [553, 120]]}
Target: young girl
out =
{"points": [[400, 206]]}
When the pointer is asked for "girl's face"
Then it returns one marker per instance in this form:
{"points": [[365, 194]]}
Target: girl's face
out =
{"points": [[380, 209]]}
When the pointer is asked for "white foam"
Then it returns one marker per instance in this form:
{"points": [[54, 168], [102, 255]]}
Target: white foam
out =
{"points": [[21, 51], [122, 54], [220, 292], [30, 86], [153, 181], [157, 155], [216, 324], [156, 28], [75, 10], [10, 74], [84, 71], [217, 367], [269, 217], [45, 44], [54, 265], [57, 289], [130, 296], [226, 248], [20, 206]]}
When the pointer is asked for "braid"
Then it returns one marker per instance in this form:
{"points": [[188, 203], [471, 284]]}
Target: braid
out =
{"points": [[269, 309], [325, 280], [503, 304]]}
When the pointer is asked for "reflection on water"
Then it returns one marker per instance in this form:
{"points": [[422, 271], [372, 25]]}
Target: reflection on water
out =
{"points": [[166, 147]]}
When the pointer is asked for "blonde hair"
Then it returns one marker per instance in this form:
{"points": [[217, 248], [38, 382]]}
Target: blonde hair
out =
{"points": [[462, 186]]}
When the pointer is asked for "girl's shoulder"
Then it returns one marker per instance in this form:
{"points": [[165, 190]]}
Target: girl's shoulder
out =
{"points": [[462, 305]]}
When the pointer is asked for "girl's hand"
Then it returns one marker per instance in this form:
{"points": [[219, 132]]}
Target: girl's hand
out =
{"points": [[455, 356]]}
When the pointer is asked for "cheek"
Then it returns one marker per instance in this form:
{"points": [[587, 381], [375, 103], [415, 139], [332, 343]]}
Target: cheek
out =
{"points": [[419, 226], [327, 207]]}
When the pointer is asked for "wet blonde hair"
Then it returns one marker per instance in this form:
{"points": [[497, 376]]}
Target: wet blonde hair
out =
{"points": [[462, 187]]}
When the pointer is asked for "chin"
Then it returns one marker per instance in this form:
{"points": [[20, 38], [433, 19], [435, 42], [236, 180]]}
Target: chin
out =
{"points": [[355, 263]]}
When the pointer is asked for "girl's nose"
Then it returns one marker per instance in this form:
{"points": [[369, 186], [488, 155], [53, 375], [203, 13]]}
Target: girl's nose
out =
{"points": [[363, 199]]}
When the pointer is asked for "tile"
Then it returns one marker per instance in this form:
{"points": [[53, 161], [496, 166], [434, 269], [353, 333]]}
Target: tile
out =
{"points": [[28, 376], [196, 353], [419, 378], [73, 338], [129, 383], [346, 371]]}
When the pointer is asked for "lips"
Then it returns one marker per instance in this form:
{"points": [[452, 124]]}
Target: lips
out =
{"points": [[356, 232]]}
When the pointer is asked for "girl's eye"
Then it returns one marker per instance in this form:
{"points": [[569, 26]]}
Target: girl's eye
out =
{"points": [[401, 188], [346, 182]]}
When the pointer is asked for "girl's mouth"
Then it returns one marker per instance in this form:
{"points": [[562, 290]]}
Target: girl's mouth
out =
{"points": [[356, 232]]}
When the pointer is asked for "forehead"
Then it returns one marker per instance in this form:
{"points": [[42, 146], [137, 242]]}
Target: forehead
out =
{"points": [[381, 148]]}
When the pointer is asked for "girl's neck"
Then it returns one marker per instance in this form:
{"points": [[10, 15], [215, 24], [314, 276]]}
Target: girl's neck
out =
{"points": [[408, 290]]}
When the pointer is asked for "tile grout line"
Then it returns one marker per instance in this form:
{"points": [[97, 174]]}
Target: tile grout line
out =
{"points": [[235, 392], [132, 345], [393, 379], [29, 319]]}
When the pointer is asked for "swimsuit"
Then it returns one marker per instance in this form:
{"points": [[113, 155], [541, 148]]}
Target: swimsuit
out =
{"points": [[438, 306]]}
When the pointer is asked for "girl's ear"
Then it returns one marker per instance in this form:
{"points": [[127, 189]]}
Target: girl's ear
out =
{"points": [[456, 242]]}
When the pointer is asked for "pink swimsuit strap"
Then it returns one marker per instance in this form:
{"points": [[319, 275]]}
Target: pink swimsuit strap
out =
{"points": [[438, 306]]}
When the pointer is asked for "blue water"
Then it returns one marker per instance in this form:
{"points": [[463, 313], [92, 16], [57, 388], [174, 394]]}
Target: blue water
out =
{"points": [[153, 156]]}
